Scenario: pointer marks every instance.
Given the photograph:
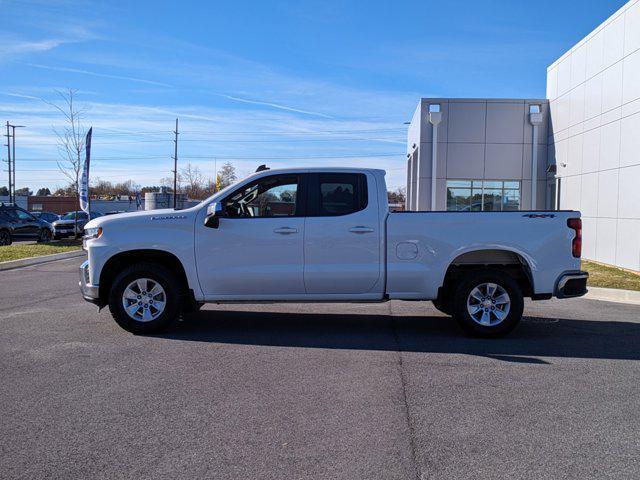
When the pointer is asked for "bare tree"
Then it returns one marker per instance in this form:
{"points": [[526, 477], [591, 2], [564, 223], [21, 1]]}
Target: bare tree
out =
{"points": [[71, 139], [194, 180], [397, 196]]}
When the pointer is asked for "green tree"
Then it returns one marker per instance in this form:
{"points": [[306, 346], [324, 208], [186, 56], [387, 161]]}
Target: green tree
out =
{"points": [[227, 175], [24, 192]]}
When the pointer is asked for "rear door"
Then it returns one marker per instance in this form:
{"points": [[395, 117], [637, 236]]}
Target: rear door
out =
{"points": [[342, 247], [26, 224]]}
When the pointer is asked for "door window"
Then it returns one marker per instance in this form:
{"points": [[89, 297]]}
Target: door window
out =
{"points": [[24, 216], [275, 196], [340, 193]]}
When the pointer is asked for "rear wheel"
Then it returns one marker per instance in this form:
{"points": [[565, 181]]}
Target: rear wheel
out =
{"points": [[5, 237], [488, 303], [145, 298]]}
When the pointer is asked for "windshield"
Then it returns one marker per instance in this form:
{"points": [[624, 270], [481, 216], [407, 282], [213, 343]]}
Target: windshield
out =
{"points": [[71, 216]]}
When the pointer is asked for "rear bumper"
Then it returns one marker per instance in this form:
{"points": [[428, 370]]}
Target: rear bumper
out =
{"points": [[572, 284], [91, 293]]}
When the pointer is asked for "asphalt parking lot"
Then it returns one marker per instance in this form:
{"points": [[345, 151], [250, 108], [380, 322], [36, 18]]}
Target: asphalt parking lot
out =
{"points": [[379, 391]]}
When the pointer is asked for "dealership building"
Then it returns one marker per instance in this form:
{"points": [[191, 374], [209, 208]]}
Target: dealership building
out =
{"points": [[577, 149]]}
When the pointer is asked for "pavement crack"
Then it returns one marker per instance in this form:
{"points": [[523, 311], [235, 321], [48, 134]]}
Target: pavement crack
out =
{"points": [[405, 403]]}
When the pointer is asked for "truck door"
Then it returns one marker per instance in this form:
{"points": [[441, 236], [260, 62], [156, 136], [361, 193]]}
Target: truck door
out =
{"points": [[256, 252], [342, 248]]}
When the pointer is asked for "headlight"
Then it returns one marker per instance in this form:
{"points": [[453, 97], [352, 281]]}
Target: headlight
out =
{"points": [[94, 232]]}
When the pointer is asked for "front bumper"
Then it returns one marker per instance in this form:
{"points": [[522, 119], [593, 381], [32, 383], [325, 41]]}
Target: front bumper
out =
{"points": [[572, 284], [91, 293]]}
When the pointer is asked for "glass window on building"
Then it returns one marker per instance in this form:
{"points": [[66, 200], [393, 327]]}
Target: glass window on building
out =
{"points": [[483, 195]]}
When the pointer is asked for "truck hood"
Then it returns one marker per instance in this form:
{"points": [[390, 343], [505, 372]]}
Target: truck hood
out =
{"points": [[141, 217]]}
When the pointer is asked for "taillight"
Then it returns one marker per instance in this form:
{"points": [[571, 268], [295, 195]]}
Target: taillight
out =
{"points": [[576, 245]]}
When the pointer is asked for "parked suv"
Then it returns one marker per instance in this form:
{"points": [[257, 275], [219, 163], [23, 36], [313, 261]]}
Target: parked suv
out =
{"points": [[20, 224], [65, 226]]}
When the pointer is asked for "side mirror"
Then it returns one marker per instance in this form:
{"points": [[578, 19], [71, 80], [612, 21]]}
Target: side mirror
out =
{"points": [[214, 212]]}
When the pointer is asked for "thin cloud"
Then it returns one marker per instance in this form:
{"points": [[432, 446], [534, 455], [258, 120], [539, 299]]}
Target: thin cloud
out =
{"points": [[97, 74], [166, 85], [19, 95], [274, 105], [16, 48]]}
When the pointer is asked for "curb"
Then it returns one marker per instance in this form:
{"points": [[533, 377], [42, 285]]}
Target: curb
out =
{"points": [[26, 262], [613, 295]]}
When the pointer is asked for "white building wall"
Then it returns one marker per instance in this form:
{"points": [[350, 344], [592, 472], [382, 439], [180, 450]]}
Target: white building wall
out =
{"points": [[594, 136]]}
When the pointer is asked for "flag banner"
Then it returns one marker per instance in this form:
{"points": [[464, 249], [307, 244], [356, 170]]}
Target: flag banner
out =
{"points": [[84, 181]]}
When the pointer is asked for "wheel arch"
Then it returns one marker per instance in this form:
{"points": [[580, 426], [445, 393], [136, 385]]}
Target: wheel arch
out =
{"points": [[119, 261], [510, 261]]}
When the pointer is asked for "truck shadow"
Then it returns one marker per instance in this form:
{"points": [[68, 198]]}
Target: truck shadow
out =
{"points": [[535, 337]]}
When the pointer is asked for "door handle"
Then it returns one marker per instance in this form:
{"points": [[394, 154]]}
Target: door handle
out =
{"points": [[360, 229], [285, 230]]}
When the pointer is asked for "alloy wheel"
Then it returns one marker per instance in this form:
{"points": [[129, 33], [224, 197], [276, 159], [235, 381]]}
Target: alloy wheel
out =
{"points": [[488, 304], [144, 300]]}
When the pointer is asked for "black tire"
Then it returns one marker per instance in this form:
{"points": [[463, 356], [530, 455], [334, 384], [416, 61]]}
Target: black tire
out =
{"points": [[45, 235], [157, 273], [5, 238], [479, 279]]}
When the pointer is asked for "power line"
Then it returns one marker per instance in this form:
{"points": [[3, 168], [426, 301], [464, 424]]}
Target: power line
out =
{"points": [[213, 142], [254, 132], [231, 157]]}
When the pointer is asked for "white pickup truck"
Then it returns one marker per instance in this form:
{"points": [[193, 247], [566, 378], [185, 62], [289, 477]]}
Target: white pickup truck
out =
{"points": [[326, 235]]}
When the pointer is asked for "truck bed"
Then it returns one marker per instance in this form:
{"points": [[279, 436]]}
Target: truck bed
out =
{"points": [[422, 245]]}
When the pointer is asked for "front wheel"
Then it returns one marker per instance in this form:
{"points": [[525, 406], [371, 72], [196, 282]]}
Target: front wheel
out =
{"points": [[488, 303], [45, 235], [144, 298], [5, 237]]}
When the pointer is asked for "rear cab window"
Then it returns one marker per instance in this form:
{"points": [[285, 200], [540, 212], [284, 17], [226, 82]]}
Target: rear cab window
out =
{"points": [[336, 194]]}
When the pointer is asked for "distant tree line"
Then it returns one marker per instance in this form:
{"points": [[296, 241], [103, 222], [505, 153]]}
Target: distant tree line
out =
{"points": [[191, 182]]}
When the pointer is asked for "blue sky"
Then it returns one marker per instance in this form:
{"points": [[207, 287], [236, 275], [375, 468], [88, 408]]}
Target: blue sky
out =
{"points": [[283, 83]]}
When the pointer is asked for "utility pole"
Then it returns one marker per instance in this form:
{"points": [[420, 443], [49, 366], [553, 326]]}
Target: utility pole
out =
{"points": [[215, 175], [8, 135], [11, 159], [13, 156], [175, 167]]}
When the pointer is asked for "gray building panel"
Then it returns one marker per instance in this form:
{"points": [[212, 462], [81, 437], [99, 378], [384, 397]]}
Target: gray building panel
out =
{"points": [[478, 139]]}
